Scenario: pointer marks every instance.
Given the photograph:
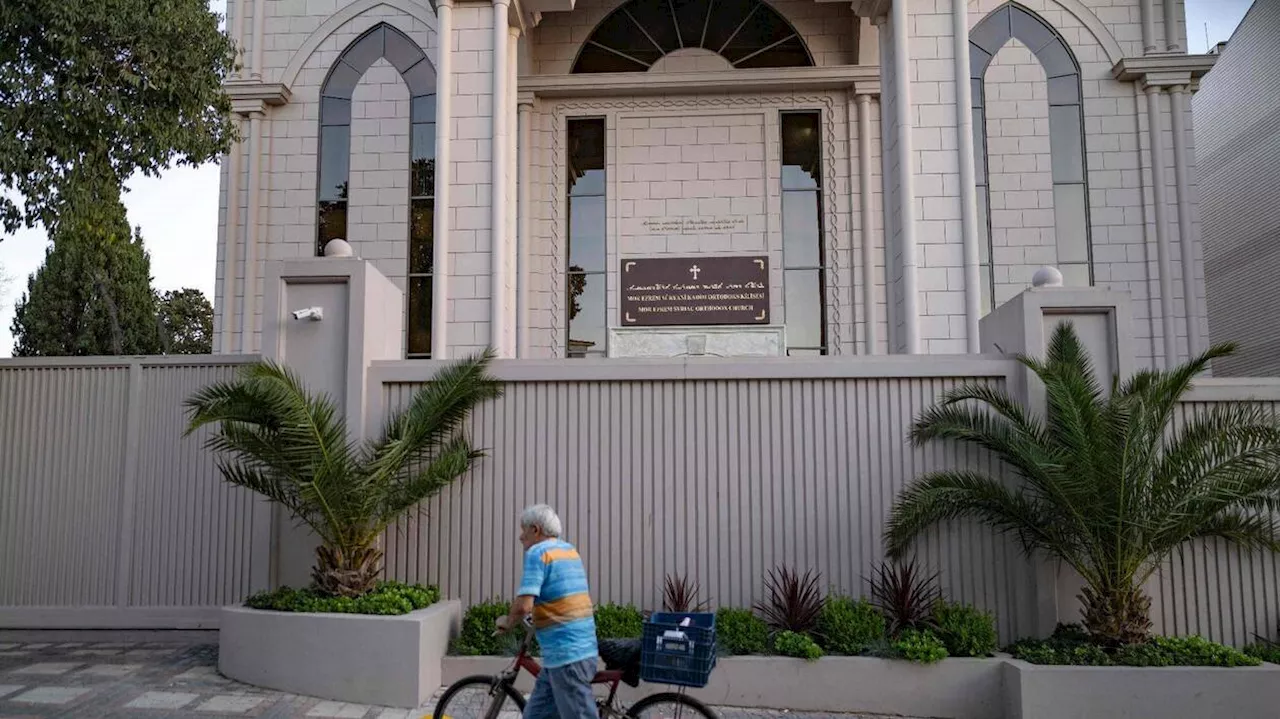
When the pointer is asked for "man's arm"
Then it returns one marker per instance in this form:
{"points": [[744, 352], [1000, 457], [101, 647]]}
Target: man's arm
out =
{"points": [[520, 608], [530, 587]]}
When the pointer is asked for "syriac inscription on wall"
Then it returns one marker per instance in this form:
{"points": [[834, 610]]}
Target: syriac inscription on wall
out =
{"points": [[694, 225], [695, 291]]}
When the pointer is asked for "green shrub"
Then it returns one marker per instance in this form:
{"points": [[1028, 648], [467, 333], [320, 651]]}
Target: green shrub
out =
{"points": [[1067, 648], [618, 621], [389, 598], [919, 646], [1193, 651], [1082, 655], [965, 630], [1068, 645], [1264, 650], [739, 631], [477, 637], [848, 626], [800, 646]]}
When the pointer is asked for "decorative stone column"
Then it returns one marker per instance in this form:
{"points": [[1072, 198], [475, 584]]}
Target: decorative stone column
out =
{"points": [[1154, 74], [524, 244], [498, 168], [444, 178], [1186, 238], [1159, 192]]}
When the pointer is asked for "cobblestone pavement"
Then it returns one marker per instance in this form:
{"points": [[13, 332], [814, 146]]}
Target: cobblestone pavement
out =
{"points": [[154, 680]]}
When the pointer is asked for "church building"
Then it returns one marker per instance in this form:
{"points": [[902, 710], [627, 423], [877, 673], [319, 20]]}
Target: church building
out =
{"points": [[606, 178]]}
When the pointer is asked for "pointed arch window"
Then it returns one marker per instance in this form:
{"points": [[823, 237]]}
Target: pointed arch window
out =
{"points": [[383, 42], [1066, 137], [747, 33]]}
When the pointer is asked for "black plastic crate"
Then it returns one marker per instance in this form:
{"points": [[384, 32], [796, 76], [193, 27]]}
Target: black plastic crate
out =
{"points": [[672, 654]]}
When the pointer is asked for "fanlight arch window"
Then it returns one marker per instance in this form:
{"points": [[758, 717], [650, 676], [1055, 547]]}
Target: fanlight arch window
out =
{"points": [[1066, 136], [746, 33], [383, 42]]}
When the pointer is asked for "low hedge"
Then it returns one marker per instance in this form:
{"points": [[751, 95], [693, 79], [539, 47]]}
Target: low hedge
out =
{"points": [[1069, 645], [389, 599], [846, 627], [740, 632], [964, 630], [849, 627]]}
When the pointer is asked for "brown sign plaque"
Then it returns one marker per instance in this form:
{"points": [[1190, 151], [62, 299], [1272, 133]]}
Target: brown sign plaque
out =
{"points": [[695, 291]]}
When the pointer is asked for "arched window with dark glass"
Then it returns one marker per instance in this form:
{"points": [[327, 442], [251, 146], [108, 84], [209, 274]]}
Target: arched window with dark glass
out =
{"points": [[746, 33], [383, 42], [1072, 236]]}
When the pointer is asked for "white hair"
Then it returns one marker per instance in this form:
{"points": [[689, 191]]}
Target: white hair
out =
{"points": [[543, 517]]}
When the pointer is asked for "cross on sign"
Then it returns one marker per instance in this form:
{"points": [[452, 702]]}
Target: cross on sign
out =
{"points": [[694, 271]]}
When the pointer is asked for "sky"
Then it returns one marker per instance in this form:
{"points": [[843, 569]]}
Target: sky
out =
{"points": [[178, 211]]}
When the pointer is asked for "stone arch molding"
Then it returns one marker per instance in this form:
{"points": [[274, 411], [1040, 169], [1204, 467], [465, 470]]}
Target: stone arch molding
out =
{"points": [[1074, 8], [344, 16]]}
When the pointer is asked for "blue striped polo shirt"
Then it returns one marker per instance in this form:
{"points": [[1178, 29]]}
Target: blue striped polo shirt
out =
{"points": [[563, 617]]}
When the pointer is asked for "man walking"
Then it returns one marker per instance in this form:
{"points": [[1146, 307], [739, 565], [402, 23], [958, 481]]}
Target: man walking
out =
{"points": [[554, 589]]}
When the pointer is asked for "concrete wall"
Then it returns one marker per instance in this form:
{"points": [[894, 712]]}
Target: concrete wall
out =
{"points": [[1237, 113]]}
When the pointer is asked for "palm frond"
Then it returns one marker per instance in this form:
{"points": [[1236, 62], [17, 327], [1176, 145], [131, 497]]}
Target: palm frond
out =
{"points": [[995, 399], [1250, 530], [1106, 482], [943, 496], [1044, 464], [451, 461], [433, 417]]}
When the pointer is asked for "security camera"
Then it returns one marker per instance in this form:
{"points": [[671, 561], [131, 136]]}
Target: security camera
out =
{"points": [[315, 314]]}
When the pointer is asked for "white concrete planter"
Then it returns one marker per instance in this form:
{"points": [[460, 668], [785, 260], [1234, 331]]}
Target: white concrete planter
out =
{"points": [[998, 688], [385, 661], [1045, 692], [950, 689]]}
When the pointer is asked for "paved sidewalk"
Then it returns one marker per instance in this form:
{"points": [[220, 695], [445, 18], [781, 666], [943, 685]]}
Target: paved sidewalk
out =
{"points": [[153, 680]]}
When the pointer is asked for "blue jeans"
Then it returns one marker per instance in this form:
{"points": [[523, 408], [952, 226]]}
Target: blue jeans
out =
{"points": [[564, 692]]}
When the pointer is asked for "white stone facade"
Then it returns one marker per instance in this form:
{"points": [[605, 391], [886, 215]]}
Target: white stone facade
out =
{"points": [[696, 136]]}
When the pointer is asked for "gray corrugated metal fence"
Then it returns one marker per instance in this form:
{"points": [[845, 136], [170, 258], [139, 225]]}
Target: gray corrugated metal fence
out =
{"points": [[721, 471], [1214, 589], [108, 517], [720, 479]]}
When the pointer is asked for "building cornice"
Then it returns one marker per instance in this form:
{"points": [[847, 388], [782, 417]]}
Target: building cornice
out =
{"points": [[862, 79], [248, 96], [1163, 70]]}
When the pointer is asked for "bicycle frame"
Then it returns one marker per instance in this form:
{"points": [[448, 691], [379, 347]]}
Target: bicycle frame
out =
{"points": [[609, 678]]}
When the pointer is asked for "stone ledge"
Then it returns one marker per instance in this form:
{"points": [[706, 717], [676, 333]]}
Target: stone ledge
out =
{"points": [[951, 689], [710, 341], [996, 688], [363, 659], [1066, 692]]}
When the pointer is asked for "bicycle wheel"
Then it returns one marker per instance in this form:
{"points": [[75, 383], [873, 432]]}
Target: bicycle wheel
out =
{"points": [[472, 698], [669, 705]]}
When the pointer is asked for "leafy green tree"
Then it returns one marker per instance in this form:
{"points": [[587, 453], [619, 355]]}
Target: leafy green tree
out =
{"points": [[1107, 483], [186, 322], [92, 295], [292, 447], [135, 84]]}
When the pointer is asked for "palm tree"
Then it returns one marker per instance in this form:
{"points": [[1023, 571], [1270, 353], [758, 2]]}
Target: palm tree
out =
{"points": [[276, 439], [1107, 484]]}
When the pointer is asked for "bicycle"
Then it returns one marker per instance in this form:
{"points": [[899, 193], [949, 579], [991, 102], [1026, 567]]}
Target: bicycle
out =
{"points": [[622, 663]]}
